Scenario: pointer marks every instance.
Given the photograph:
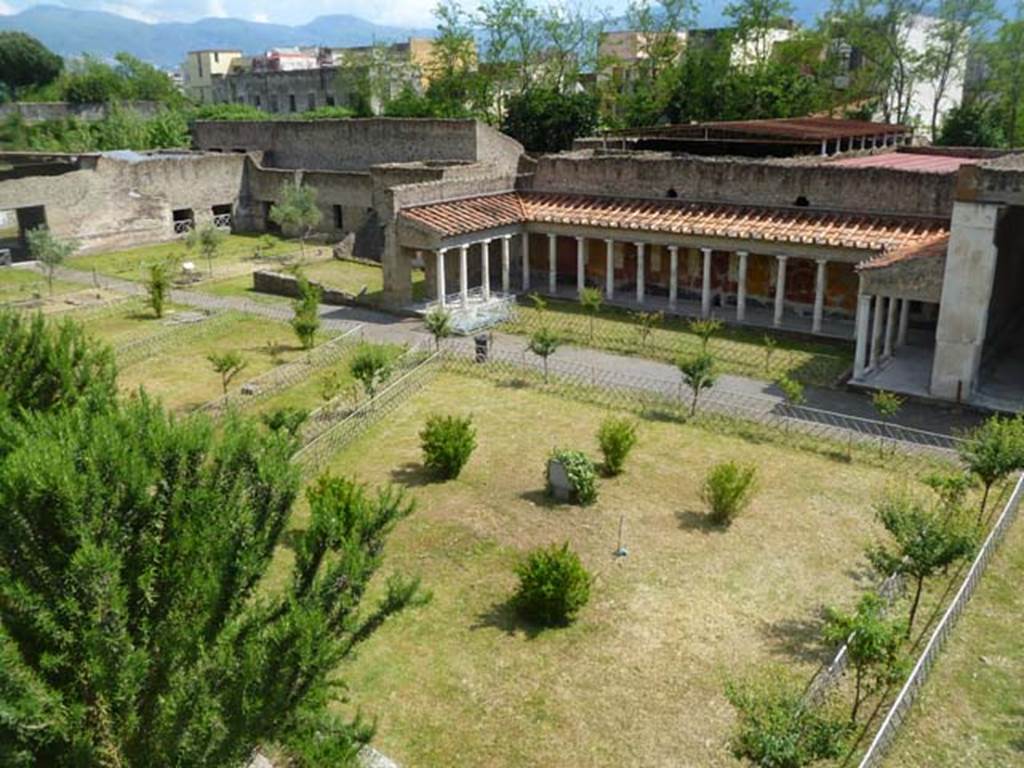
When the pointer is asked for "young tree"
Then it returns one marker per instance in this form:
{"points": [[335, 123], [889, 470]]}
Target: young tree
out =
{"points": [[698, 374], [886, 405], [705, 329], [1005, 58], [48, 250], [646, 322], [133, 625], [543, 343], [228, 365], [306, 320], [439, 322], [296, 212], [371, 367], [992, 451], [972, 124], [545, 120], [158, 284], [207, 240], [591, 300], [873, 644], [754, 21], [25, 62], [924, 541]]}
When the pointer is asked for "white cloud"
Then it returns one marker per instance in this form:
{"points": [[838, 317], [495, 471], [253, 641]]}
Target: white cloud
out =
{"points": [[216, 9], [129, 12], [261, 18], [5, 9]]}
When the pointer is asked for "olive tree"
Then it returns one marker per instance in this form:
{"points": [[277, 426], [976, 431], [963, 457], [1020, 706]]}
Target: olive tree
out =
{"points": [[296, 212], [48, 250]]}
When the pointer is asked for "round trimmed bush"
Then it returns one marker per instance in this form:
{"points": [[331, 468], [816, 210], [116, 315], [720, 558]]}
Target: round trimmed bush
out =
{"points": [[617, 436], [553, 586], [448, 442], [581, 472], [728, 489]]}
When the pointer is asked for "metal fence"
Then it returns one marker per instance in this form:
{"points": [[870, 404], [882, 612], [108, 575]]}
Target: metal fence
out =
{"points": [[897, 713], [140, 346]]}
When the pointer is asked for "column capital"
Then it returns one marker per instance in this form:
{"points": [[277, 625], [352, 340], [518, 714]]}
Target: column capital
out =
{"points": [[639, 245], [506, 238], [742, 253], [552, 236], [487, 240], [609, 240], [705, 250], [580, 238], [781, 257], [673, 248], [442, 251], [464, 247], [821, 261]]}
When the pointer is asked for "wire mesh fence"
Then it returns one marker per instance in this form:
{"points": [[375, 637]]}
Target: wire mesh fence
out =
{"points": [[174, 333], [898, 711], [672, 339]]}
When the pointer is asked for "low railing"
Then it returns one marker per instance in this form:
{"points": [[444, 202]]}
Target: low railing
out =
{"points": [[222, 221], [184, 226]]}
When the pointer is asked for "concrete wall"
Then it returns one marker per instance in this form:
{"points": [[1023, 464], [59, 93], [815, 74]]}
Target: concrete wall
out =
{"points": [[743, 181], [41, 111], [273, 91], [109, 202]]}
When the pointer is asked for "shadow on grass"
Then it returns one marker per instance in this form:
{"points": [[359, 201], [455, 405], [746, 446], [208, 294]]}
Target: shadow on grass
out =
{"points": [[505, 617], [291, 537], [540, 498], [798, 639], [689, 520], [413, 475], [514, 383]]}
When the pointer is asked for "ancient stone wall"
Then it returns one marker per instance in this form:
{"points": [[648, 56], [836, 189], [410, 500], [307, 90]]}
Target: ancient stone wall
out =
{"points": [[42, 111]]}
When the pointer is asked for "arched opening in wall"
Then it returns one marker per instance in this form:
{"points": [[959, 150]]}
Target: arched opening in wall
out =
{"points": [[672, 194], [801, 202]]}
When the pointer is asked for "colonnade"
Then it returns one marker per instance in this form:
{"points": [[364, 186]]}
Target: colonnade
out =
{"points": [[881, 328]]}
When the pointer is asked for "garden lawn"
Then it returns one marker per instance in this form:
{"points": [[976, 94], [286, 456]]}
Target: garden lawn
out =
{"points": [[19, 284], [357, 278], [740, 351], [182, 376], [638, 679], [970, 713], [239, 286], [127, 321]]}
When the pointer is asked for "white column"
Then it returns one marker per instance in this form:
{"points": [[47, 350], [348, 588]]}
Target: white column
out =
{"points": [[673, 275], [552, 263], [876, 332], [463, 275], [485, 269], [863, 325], [741, 287], [526, 261], [819, 295], [780, 289], [705, 284], [639, 273], [609, 275], [506, 245], [440, 288], [581, 274], [890, 327], [901, 335]]}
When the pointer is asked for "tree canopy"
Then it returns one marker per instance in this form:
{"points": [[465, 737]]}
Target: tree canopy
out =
{"points": [[26, 62]]}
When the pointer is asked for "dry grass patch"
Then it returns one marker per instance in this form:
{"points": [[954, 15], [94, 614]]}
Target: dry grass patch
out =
{"points": [[638, 679]]}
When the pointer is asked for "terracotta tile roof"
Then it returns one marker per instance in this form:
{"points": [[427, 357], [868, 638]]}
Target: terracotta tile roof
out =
{"points": [[929, 248], [886, 234], [906, 161]]}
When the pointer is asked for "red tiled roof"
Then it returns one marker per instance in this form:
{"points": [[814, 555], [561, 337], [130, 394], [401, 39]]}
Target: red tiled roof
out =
{"points": [[907, 161], [792, 128], [883, 233], [928, 249]]}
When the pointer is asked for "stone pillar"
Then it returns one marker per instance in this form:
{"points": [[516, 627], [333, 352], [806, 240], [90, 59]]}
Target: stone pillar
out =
{"points": [[485, 269], [705, 284], [780, 290], [673, 272], [890, 327], [552, 263], [863, 325], [440, 289], [741, 286], [609, 276], [901, 335], [639, 273], [526, 261], [464, 275], [506, 257], [819, 295], [876, 332], [581, 272]]}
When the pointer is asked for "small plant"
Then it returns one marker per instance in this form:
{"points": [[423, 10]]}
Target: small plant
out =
{"points": [[439, 322], [792, 390], [698, 374], [992, 452], [208, 241], [727, 491], [543, 343], [264, 245], [306, 321], [228, 365], [448, 442], [591, 300], [775, 726], [553, 586], [770, 344], [540, 304], [274, 350], [705, 329], [371, 367], [288, 420], [48, 250], [886, 404], [581, 473], [646, 322], [617, 437], [331, 385], [158, 285]]}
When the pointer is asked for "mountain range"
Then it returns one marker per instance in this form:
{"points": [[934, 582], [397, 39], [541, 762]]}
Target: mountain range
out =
{"points": [[72, 32]]}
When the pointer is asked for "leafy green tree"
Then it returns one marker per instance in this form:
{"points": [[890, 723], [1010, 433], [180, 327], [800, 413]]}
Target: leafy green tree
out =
{"points": [[544, 120], [591, 300], [208, 240], [972, 124], [409, 103], [1005, 60], [873, 645], [91, 81], [228, 365], [145, 82], [646, 322], [288, 419], [296, 212], [371, 367], [133, 625], [925, 540], [51, 366], [753, 23], [306, 319], [704, 330], [49, 250], [158, 284], [992, 452], [439, 322], [698, 374], [25, 62], [544, 343]]}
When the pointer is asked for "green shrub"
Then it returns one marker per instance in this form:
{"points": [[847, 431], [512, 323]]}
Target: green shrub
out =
{"points": [[728, 489], [581, 472], [617, 437], [553, 586], [448, 442]]}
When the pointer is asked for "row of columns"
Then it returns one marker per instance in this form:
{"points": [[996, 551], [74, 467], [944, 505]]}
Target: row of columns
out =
{"points": [[881, 328], [485, 268]]}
